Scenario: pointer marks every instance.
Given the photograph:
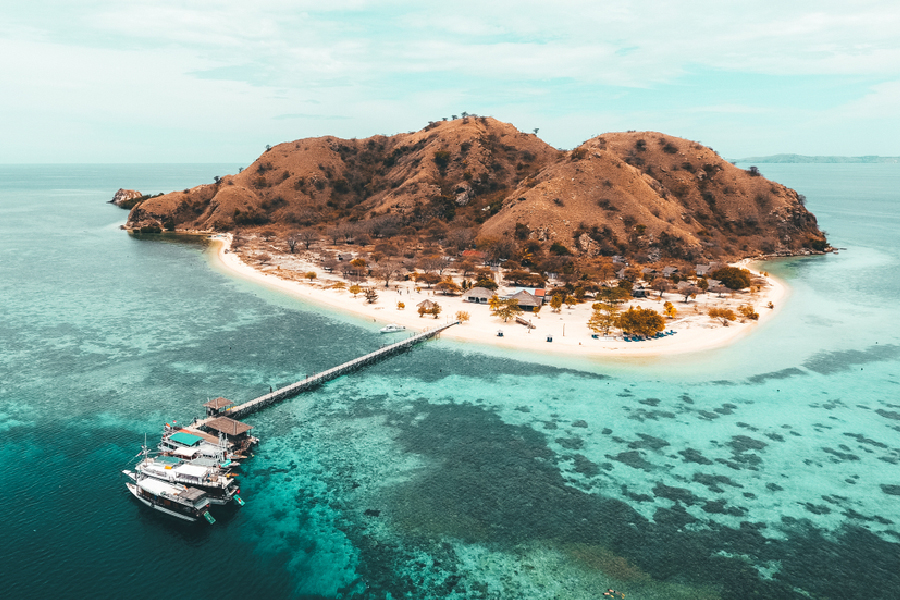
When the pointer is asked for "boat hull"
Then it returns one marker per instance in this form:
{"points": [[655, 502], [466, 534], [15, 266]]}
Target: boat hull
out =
{"points": [[134, 492]]}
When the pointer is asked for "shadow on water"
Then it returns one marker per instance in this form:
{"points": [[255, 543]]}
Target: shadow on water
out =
{"points": [[170, 238], [843, 360], [498, 484]]}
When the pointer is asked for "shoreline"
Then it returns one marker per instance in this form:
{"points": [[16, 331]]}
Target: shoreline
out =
{"points": [[568, 328]]}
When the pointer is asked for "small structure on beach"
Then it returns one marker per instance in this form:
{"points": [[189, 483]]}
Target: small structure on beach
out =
{"points": [[478, 295], [217, 406], [526, 301]]}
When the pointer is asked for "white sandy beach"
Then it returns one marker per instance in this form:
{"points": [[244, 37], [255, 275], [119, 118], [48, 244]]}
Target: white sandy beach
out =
{"points": [[695, 331]]}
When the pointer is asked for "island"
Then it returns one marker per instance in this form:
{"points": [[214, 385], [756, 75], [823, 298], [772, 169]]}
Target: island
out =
{"points": [[632, 243]]}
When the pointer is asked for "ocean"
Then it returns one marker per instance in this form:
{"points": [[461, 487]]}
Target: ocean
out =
{"points": [[767, 469]]}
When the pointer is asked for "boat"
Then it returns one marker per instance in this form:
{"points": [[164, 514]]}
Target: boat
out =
{"points": [[196, 444], [393, 328], [175, 500], [219, 485]]}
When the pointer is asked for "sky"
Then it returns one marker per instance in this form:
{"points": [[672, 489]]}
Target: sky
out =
{"points": [[102, 81]]}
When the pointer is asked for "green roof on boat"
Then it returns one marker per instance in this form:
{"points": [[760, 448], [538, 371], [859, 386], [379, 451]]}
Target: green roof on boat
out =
{"points": [[188, 439]]}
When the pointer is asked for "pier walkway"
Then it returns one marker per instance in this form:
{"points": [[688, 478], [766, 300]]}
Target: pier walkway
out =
{"points": [[313, 381]]}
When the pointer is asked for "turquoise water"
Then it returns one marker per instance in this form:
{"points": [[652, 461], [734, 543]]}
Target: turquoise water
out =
{"points": [[769, 469]]}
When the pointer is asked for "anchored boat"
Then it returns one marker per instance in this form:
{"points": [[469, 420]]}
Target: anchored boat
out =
{"points": [[175, 500], [220, 486], [393, 328]]}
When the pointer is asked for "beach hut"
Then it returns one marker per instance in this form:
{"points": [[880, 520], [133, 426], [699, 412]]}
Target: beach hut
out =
{"points": [[526, 301], [478, 295]]}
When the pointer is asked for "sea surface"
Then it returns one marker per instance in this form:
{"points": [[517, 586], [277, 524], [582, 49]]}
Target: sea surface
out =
{"points": [[769, 469]]}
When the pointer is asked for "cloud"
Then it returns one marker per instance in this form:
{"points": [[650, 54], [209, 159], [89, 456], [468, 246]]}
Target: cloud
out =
{"points": [[881, 101], [392, 65]]}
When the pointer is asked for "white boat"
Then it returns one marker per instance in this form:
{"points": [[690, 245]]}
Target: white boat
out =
{"points": [[187, 445], [179, 501], [219, 485], [393, 328]]}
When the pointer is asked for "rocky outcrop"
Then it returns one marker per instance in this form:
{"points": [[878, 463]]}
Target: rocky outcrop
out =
{"points": [[126, 198]]}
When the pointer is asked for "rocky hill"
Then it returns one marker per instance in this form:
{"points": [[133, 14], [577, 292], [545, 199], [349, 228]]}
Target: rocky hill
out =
{"points": [[644, 195]]}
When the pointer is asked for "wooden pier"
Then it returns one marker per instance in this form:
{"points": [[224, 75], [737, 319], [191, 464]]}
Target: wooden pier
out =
{"points": [[313, 381]]}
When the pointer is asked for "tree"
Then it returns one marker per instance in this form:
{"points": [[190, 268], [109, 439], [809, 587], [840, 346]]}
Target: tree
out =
{"points": [[747, 312], [689, 291], [603, 317], [387, 269], [536, 129], [660, 285], [641, 321], [507, 309], [605, 269], [428, 279], [556, 302], [268, 233], [570, 301], [435, 310], [371, 295], [488, 284], [732, 277], [613, 295], [723, 314], [669, 310], [308, 237], [310, 275], [292, 241], [354, 289], [462, 316], [400, 306], [359, 265], [329, 263], [448, 287], [432, 263]]}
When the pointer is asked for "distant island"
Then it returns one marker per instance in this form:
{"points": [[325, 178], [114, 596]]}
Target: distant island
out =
{"points": [[799, 158]]}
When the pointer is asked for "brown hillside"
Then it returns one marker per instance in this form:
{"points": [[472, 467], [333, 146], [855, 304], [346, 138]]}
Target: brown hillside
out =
{"points": [[640, 194]]}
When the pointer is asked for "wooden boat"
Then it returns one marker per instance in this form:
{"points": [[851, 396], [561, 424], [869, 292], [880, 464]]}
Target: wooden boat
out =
{"points": [[179, 501], [220, 486]]}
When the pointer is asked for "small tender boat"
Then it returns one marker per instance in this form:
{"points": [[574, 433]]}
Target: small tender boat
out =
{"points": [[179, 501], [393, 328]]}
